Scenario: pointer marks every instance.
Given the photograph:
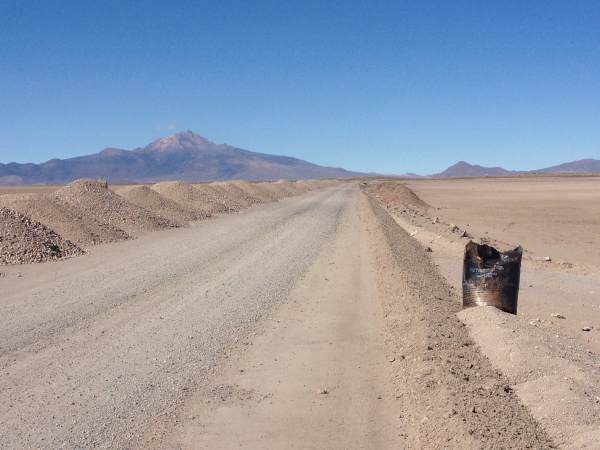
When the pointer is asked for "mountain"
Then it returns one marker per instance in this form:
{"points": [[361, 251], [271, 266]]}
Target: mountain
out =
{"points": [[463, 169], [184, 156], [580, 166]]}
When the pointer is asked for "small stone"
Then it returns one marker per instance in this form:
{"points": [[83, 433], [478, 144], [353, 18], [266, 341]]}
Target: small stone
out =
{"points": [[587, 328], [323, 391], [558, 316], [547, 259], [428, 249], [450, 413]]}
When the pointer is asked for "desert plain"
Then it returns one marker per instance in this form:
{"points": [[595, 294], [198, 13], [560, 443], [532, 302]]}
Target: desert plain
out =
{"points": [[320, 314]]}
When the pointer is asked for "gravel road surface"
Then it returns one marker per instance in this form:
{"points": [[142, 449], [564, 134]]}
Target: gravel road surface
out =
{"points": [[93, 350], [300, 324]]}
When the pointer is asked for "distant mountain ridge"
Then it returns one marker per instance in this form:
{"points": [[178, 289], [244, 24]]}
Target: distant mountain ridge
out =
{"points": [[580, 166], [183, 156], [463, 169]]}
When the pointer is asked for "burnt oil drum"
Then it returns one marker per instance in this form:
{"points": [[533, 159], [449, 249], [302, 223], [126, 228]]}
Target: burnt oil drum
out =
{"points": [[491, 277]]}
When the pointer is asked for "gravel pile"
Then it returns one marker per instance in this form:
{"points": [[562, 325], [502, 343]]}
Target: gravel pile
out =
{"points": [[289, 188], [23, 240], [68, 221], [230, 203], [256, 190], [203, 204], [393, 192], [96, 201], [276, 191], [234, 191], [302, 186], [146, 198]]}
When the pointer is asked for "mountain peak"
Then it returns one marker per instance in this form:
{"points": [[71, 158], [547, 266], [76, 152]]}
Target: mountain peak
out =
{"points": [[464, 169], [184, 140], [182, 156]]}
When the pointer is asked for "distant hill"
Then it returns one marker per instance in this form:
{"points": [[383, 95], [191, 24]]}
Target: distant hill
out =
{"points": [[463, 169], [184, 156], [580, 166]]}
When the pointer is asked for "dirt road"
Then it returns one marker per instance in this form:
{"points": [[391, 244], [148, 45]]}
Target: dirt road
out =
{"points": [[291, 325]]}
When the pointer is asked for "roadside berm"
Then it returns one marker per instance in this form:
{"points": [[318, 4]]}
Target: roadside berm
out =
{"points": [[547, 362], [86, 212]]}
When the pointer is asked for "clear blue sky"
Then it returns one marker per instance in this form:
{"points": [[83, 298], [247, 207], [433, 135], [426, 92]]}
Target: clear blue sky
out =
{"points": [[380, 86]]}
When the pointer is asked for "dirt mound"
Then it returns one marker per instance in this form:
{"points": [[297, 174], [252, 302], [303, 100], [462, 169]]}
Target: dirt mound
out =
{"points": [[201, 203], [393, 192], [442, 375], [23, 240], [302, 186], [238, 194], [146, 198], [276, 190], [256, 190], [95, 200], [68, 221], [289, 188], [220, 195]]}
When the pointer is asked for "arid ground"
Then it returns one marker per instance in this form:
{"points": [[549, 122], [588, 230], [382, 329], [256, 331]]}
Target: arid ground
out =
{"points": [[297, 315], [549, 351], [550, 216]]}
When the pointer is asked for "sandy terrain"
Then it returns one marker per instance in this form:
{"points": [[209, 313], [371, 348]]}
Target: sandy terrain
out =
{"points": [[550, 361], [313, 322], [550, 216]]}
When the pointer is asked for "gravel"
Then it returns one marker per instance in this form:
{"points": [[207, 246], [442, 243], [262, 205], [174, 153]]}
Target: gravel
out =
{"points": [[393, 192], [243, 197], [23, 240], [201, 202], [94, 200], [95, 353], [221, 196], [275, 190], [86, 212], [289, 188], [146, 198], [70, 222], [256, 190]]}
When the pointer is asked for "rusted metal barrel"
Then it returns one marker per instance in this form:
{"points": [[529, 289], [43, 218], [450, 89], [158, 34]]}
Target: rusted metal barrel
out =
{"points": [[491, 277]]}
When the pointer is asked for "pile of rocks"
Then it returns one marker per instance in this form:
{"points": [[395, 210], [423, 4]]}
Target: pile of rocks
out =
{"points": [[23, 240], [256, 190], [186, 195], [236, 193], [95, 201], [70, 222], [146, 198], [220, 197], [396, 193], [49, 226]]}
